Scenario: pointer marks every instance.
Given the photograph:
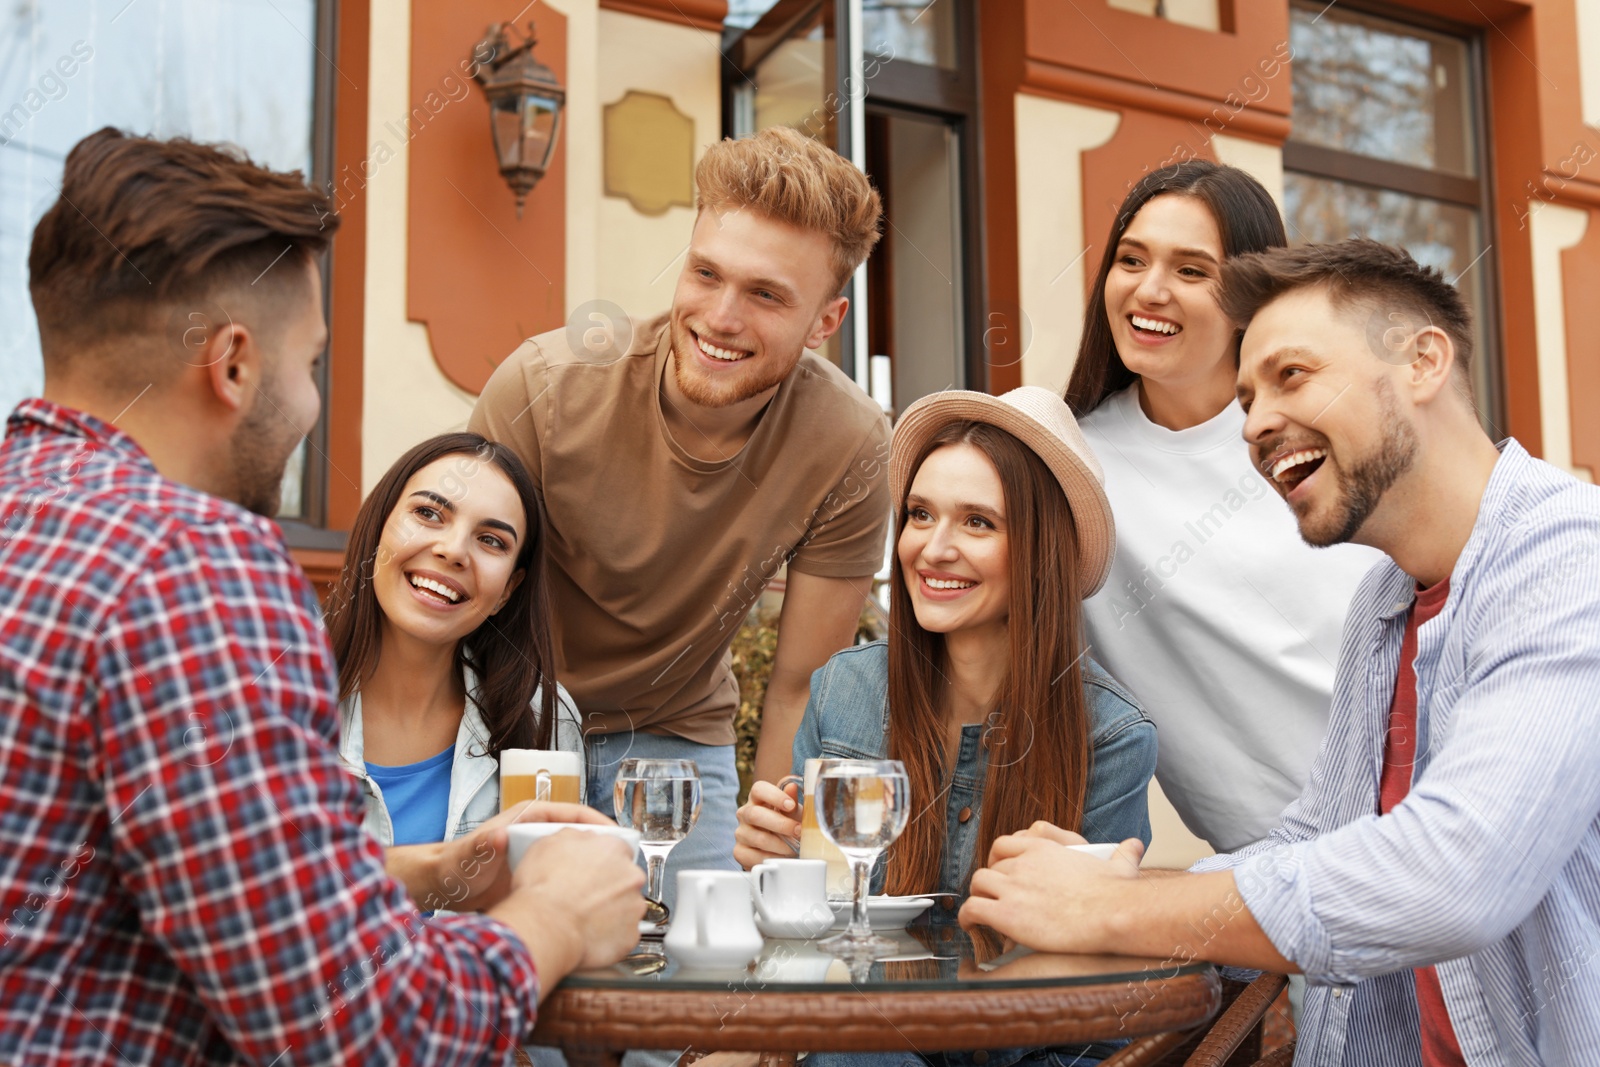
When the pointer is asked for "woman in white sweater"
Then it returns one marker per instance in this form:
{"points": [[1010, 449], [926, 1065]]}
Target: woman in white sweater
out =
{"points": [[1221, 620]]}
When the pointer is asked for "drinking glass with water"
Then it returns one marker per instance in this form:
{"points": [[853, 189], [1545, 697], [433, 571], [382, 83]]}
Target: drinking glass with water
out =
{"points": [[660, 798], [862, 807]]}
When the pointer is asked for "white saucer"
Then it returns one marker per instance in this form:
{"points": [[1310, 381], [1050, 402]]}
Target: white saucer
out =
{"points": [[886, 913], [797, 928]]}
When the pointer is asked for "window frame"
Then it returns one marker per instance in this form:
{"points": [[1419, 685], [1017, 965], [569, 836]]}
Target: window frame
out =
{"points": [[948, 94], [313, 529], [951, 96], [1475, 194]]}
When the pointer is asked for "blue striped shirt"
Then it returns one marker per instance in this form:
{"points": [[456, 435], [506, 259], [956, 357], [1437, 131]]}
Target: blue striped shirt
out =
{"points": [[1490, 867]]}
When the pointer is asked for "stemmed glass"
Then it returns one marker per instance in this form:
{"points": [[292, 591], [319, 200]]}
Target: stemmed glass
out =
{"points": [[660, 798], [862, 807]]}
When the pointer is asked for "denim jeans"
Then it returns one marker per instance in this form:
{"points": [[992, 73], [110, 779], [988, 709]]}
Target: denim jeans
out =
{"points": [[709, 845]]}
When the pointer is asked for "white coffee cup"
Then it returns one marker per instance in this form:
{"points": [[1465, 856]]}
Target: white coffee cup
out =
{"points": [[523, 834], [1099, 852], [791, 897], [712, 924]]}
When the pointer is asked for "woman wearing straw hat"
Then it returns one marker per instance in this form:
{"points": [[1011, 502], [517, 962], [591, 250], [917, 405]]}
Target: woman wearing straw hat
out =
{"points": [[984, 688]]}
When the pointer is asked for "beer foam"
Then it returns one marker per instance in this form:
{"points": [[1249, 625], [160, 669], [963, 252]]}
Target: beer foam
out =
{"points": [[532, 761]]}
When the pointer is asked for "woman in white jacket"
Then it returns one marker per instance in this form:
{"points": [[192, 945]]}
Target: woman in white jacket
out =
{"points": [[440, 628]]}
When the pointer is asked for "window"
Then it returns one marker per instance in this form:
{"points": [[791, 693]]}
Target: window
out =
{"points": [[917, 318], [249, 72], [1388, 142]]}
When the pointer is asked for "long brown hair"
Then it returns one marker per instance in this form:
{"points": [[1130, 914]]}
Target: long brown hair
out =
{"points": [[1038, 733], [1247, 221], [510, 652]]}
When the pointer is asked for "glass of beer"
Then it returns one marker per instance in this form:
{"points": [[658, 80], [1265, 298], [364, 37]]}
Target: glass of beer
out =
{"points": [[814, 845], [531, 774]]}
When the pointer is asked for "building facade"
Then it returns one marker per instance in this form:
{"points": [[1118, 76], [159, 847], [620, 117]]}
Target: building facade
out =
{"points": [[1003, 133]]}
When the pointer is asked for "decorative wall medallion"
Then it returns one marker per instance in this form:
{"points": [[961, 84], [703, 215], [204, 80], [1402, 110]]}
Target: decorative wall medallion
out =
{"points": [[649, 153]]}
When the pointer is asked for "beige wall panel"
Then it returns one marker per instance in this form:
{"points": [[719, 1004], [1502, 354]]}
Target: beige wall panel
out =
{"points": [[637, 256], [1263, 162], [1553, 229], [1202, 14], [581, 128], [1589, 59], [1172, 846], [1051, 139]]}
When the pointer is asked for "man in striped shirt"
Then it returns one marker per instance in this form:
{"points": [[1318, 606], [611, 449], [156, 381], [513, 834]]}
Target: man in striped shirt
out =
{"points": [[1439, 879], [184, 878]]}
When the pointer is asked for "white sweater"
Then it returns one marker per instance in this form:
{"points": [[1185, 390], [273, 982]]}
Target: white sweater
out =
{"points": [[1223, 622]]}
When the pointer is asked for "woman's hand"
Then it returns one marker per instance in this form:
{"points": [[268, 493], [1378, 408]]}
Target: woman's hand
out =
{"points": [[769, 825]]}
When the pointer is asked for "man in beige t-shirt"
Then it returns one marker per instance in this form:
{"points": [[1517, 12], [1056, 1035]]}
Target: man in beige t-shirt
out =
{"points": [[681, 474]]}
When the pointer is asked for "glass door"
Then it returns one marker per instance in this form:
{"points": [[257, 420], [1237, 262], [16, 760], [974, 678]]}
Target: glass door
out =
{"points": [[784, 71], [913, 87], [915, 283]]}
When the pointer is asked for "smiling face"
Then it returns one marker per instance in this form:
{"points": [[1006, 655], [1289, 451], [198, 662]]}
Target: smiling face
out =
{"points": [[754, 293], [1323, 416], [1160, 294], [447, 556], [954, 548]]}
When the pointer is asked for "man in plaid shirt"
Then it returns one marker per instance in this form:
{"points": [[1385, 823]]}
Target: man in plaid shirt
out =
{"points": [[183, 873]]}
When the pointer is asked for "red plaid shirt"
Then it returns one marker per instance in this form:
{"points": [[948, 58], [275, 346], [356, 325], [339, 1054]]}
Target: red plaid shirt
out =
{"points": [[183, 874]]}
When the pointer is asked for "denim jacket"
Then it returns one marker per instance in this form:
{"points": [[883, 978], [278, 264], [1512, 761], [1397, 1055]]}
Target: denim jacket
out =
{"points": [[474, 774], [848, 717]]}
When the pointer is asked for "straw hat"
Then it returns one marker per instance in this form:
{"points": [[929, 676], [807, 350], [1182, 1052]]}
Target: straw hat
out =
{"points": [[1042, 421]]}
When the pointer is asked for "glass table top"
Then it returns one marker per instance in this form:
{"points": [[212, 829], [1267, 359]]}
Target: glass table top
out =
{"points": [[928, 956]]}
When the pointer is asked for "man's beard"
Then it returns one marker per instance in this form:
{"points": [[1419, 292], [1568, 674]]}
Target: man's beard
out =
{"points": [[699, 390], [1361, 488], [260, 451]]}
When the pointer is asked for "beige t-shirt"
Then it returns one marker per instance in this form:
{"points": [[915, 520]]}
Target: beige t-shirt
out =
{"points": [[655, 557]]}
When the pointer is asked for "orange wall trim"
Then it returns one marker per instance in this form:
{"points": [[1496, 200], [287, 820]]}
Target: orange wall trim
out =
{"points": [[347, 282], [1559, 186], [1233, 114], [1516, 99], [1000, 62], [1244, 61], [700, 14], [321, 567], [1143, 142], [1580, 270], [479, 277]]}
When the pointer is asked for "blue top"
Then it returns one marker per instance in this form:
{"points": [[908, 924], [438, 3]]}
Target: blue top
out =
{"points": [[848, 718], [1490, 866], [417, 796]]}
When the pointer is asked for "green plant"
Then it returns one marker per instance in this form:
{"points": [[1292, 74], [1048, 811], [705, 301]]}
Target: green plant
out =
{"points": [[754, 646]]}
